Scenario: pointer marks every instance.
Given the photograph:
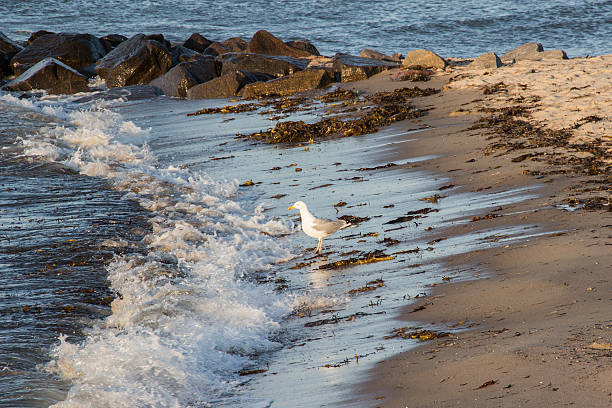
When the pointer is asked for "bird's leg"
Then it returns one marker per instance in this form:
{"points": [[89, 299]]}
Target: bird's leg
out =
{"points": [[319, 247]]}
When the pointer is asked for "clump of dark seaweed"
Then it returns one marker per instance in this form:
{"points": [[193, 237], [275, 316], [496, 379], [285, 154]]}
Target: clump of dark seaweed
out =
{"points": [[495, 88], [243, 107], [400, 96], [514, 131], [364, 258], [392, 107], [340, 94], [416, 333]]}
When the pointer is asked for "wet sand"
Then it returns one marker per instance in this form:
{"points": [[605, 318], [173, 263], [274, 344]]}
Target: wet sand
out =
{"points": [[541, 324]]}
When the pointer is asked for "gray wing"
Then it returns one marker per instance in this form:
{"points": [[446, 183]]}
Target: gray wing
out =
{"points": [[329, 226]]}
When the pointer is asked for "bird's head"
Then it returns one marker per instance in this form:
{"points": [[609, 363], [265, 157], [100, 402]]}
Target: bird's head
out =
{"points": [[300, 205]]}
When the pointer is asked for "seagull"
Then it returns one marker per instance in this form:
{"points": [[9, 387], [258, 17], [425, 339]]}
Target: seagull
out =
{"points": [[317, 227]]}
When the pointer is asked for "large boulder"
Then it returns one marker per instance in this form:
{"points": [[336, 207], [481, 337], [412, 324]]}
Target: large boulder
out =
{"points": [[235, 44], [52, 75], [225, 86], [370, 53], [300, 81], [351, 68], [548, 54], [8, 46], [185, 75], [111, 41], [183, 54], [197, 42], [216, 48], [5, 65], [486, 61], [79, 51], [37, 34], [304, 46], [524, 51], [276, 66], [265, 43], [532, 52], [138, 60], [425, 59]]}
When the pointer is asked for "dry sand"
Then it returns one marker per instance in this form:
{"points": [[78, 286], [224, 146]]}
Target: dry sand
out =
{"points": [[542, 320]]}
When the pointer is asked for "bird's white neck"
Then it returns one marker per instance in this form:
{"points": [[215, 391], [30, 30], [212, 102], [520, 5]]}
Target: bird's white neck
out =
{"points": [[305, 215]]}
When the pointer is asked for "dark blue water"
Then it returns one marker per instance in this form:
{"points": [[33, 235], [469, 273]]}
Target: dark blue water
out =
{"points": [[458, 28]]}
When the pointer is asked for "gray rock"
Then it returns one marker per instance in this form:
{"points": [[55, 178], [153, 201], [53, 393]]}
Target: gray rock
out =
{"points": [[185, 75], [265, 43], [5, 66], [8, 46], [51, 75], [183, 54], [369, 53], [304, 46], [37, 34], [216, 48], [79, 51], [351, 68], [235, 44], [523, 52], [486, 61], [225, 86], [425, 59], [111, 41], [138, 60], [197, 42], [549, 54], [276, 66], [300, 81]]}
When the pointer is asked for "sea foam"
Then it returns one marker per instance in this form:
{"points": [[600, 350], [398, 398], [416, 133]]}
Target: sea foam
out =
{"points": [[189, 314]]}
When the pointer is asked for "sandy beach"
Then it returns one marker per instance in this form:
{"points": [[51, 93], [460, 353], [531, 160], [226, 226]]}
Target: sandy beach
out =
{"points": [[541, 326]]}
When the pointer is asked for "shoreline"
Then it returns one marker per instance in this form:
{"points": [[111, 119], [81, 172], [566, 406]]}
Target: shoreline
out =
{"points": [[541, 331]]}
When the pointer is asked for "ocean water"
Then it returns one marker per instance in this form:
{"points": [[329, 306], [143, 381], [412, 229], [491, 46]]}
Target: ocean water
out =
{"points": [[136, 271], [456, 28]]}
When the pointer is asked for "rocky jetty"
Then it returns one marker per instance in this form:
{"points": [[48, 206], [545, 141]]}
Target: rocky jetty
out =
{"points": [[199, 67]]}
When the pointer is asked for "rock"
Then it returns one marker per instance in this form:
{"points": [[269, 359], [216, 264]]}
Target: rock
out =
{"points": [[265, 43], [369, 53], [128, 93], [79, 51], [304, 46], [300, 81], [5, 66], [235, 44], [197, 42], [111, 41], [486, 61], [216, 48], [225, 86], [8, 46], [160, 39], [185, 75], [183, 54], [523, 52], [37, 34], [352, 68], [413, 75], [138, 60], [549, 54], [424, 58], [52, 75], [276, 66]]}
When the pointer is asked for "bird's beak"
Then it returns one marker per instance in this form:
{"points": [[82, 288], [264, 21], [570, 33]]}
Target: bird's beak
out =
{"points": [[291, 208]]}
